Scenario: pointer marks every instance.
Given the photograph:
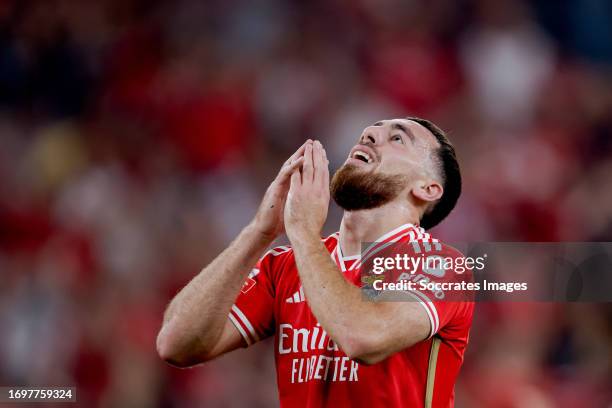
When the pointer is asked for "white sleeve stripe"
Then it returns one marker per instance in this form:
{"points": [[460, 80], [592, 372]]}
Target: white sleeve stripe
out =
{"points": [[425, 300], [245, 321], [244, 335], [429, 303], [431, 320]]}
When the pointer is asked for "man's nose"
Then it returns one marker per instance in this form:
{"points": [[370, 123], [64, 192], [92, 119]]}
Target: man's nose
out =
{"points": [[370, 136]]}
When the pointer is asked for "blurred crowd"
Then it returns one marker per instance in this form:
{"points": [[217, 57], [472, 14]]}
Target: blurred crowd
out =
{"points": [[137, 137]]}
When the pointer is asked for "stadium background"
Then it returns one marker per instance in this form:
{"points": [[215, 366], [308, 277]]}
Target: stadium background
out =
{"points": [[137, 138]]}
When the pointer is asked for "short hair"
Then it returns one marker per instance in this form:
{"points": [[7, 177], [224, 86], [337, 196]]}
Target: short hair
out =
{"points": [[445, 159]]}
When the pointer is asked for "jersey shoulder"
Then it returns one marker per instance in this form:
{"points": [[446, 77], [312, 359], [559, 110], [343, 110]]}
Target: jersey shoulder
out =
{"points": [[276, 257], [286, 251], [280, 258], [434, 253], [423, 242]]}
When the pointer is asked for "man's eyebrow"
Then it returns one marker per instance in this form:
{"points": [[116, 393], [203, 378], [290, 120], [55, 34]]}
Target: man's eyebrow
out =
{"points": [[378, 123], [404, 129]]}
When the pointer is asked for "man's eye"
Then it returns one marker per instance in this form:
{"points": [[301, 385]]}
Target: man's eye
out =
{"points": [[397, 138]]}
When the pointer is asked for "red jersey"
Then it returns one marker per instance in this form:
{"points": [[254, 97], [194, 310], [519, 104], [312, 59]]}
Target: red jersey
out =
{"points": [[313, 372]]}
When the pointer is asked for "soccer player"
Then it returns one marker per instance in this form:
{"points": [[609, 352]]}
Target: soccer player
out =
{"points": [[333, 347]]}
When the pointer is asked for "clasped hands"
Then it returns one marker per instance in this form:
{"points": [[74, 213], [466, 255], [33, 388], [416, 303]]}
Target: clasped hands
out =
{"points": [[297, 201]]}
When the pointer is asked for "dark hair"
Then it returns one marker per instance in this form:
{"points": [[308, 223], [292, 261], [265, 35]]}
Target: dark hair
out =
{"points": [[448, 166]]}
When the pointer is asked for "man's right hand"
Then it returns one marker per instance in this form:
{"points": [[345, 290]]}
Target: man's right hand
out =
{"points": [[269, 218]]}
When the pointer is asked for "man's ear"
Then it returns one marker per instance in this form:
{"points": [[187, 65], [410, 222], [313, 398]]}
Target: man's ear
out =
{"points": [[428, 191]]}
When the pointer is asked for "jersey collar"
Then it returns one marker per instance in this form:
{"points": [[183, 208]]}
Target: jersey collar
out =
{"points": [[403, 231]]}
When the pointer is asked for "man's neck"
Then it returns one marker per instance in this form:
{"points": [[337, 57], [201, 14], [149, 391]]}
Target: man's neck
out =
{"points": [[369, 225]]}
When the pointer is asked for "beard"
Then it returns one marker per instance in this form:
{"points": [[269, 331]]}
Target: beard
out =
{"points": [[354, 189]]}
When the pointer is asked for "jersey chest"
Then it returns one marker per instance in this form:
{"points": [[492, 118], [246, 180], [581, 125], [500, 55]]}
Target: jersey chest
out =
{"points": [[291, 304]]}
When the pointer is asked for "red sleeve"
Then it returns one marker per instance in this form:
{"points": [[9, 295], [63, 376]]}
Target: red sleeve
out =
{"points": [[253, 310], [447, 310]]}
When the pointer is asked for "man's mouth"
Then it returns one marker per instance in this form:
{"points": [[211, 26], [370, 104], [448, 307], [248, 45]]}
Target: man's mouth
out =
{"points": [[362, 154], [359, 155]]}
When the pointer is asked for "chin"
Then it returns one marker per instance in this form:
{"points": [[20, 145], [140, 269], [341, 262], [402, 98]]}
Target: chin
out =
{"points": [[357, 188]]}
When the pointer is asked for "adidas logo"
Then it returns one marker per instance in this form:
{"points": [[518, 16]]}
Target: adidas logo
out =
{"points": [[297, 297]]}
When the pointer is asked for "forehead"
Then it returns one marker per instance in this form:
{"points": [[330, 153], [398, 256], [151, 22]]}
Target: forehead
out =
{"points": [[418, 131]]}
